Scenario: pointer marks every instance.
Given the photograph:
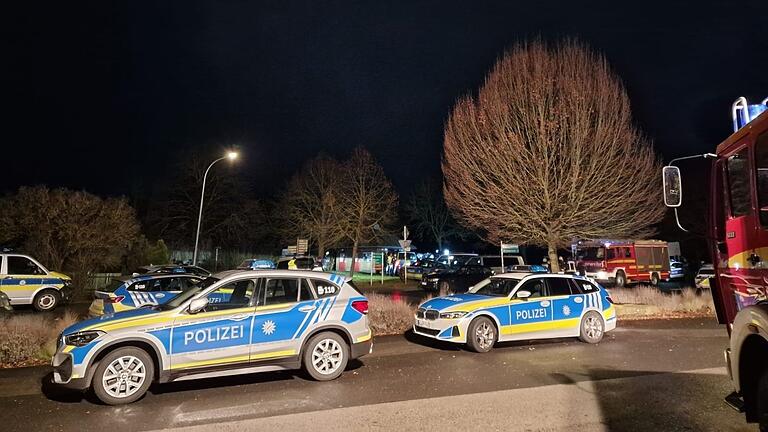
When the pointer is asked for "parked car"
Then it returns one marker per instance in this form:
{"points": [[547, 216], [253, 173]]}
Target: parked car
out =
{"points": [[126, 293], [25, 281], [677, 271], [702, 276], [172, 268], [272, 320], [255, 264], [302, 263], [516, 306], [455, 280], [495, 262]]}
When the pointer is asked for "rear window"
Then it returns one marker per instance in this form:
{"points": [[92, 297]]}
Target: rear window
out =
{"points": [[583, 286], [324, 288]]}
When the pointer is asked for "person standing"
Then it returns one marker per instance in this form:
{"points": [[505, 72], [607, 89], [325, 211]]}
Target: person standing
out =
{"points": [[292, 264]]}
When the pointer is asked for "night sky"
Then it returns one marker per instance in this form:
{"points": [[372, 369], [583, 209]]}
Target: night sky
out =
{"points": [[109, 97]]}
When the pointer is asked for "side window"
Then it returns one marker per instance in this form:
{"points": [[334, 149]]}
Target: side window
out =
{"points": [[761, 164], [473, 261], [323, 288], [535, 286], [738, 183], [23, 266], [305, 292], [176, 284], [627, 253], [280, 291], [231, 296], [583, 286], [558, 286], [611, 254]]}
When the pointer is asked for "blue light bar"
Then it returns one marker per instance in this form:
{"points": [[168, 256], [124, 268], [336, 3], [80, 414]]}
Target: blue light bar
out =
{"points": [[742, 112]]}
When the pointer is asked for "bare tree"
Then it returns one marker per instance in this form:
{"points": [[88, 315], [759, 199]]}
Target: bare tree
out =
{"points": [[368, 200], [547, 152], [69, 229], [311, 207], [430, 216]]}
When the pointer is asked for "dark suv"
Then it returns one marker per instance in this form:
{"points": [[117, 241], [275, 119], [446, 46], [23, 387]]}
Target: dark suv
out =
{"points": [[455, 280]]}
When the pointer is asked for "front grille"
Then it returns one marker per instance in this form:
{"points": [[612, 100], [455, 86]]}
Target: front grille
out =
{"points": [[420, 313], [427, 331], [431, 314]]}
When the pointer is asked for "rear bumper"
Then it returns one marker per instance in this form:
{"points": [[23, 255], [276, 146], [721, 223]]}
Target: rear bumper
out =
{"points": [[361, 348]]}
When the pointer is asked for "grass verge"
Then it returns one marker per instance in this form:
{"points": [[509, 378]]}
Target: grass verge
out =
{"points": [[646, 302], [27, 340]]}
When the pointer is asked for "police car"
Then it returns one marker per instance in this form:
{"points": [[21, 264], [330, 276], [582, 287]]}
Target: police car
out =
{"points": [[519, 306], [26, 281], [127, 293], [231, 323]]}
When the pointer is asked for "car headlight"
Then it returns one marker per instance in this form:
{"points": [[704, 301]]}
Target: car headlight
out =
{"points": [[452, 315], [82, 338]]}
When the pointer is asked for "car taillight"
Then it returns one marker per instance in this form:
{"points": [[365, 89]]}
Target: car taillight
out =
{"points": [[116, 299], [360, 306]]}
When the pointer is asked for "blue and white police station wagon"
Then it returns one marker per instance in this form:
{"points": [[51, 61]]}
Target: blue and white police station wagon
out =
{"points": [[231, 323], [519, 306]]}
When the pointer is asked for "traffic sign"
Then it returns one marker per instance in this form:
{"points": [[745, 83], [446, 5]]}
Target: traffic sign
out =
{"points": [[405, 244], [509, 248], [302, 246]]}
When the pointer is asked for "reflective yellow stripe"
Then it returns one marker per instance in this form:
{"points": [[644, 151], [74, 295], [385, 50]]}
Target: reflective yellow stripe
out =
{"points": [[217, 313], [540, 326], [236, 359], [273, 354], [68, 348], [473, 306], [610, 312], [365, 337]]}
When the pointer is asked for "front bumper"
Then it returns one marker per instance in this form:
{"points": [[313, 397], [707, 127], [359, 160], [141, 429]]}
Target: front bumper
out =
{"points": [[67, 375], [66, 293], [440, 329]]}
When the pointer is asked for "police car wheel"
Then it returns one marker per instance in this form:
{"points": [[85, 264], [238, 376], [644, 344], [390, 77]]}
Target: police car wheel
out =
{"points": [[592, 328], [123, 376], [481, 335], [326, 356], [46, 300]]}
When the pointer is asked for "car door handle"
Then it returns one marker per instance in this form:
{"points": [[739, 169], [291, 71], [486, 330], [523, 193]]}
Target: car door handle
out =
{"points": [[240, 317], [307, 308]]}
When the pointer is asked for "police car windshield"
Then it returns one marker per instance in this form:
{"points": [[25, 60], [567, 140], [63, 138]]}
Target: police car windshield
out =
{"points": [[495, 287], [189, 293]]}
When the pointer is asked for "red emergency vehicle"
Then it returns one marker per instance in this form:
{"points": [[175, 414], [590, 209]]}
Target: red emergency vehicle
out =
{"points": [[738, 239], [623, 262]]}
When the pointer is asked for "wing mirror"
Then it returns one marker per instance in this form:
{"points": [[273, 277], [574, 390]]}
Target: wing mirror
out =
{"points": [[198, 305], [523, 294], [673, 187]]}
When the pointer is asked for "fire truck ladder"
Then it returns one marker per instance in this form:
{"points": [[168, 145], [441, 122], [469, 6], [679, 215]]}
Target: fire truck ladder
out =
{"points": [[742, 112]]}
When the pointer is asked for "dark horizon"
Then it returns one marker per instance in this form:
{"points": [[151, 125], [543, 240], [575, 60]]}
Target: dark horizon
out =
{"points": [[108, 97]]}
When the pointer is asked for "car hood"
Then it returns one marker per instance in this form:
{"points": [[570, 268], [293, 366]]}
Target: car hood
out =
{"points": [[466, 302], [59, 275], [95, 323]]}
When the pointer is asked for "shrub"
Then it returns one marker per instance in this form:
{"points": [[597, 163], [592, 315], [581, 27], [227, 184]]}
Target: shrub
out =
{"points": [[27, 339], [389, 316], [686, 301]]}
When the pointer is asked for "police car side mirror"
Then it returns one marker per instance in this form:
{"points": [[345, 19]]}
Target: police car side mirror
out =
{"points": [[198, 305], [523, 294]]}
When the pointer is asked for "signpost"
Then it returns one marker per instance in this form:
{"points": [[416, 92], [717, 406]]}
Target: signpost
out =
{"points": [[507, 248], [406, 245], [302, 246]]}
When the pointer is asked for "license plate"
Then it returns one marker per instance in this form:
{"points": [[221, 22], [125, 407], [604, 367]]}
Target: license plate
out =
{"points": [[423, 323]]}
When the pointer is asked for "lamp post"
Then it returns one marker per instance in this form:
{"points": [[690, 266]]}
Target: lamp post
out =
{"points": [[231, 156]]}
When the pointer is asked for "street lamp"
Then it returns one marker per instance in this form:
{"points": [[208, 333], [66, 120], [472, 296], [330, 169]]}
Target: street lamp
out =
{"points": [[231, 156]]}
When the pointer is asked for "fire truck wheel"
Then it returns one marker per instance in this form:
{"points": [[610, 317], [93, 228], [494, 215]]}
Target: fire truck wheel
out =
{"points": [[654, 279], [621, 279]]}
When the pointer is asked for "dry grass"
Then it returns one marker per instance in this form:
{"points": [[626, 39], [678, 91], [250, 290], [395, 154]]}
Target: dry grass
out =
{"points": [[686, 301], [388, 316], [30, 339]]}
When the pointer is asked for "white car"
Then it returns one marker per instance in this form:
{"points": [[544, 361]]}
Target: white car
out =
{"points": [[702, 277]]}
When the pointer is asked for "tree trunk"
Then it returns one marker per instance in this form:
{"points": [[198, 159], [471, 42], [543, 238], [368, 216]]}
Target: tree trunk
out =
{"points": [[320, 249], [554, 265], [354, 255]]}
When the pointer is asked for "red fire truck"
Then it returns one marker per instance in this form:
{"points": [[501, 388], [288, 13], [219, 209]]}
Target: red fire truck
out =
{"points": [[738, 239], [624, 262]]}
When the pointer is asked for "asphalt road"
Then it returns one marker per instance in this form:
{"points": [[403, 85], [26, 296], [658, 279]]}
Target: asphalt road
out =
{"points": [[646, 375]]}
